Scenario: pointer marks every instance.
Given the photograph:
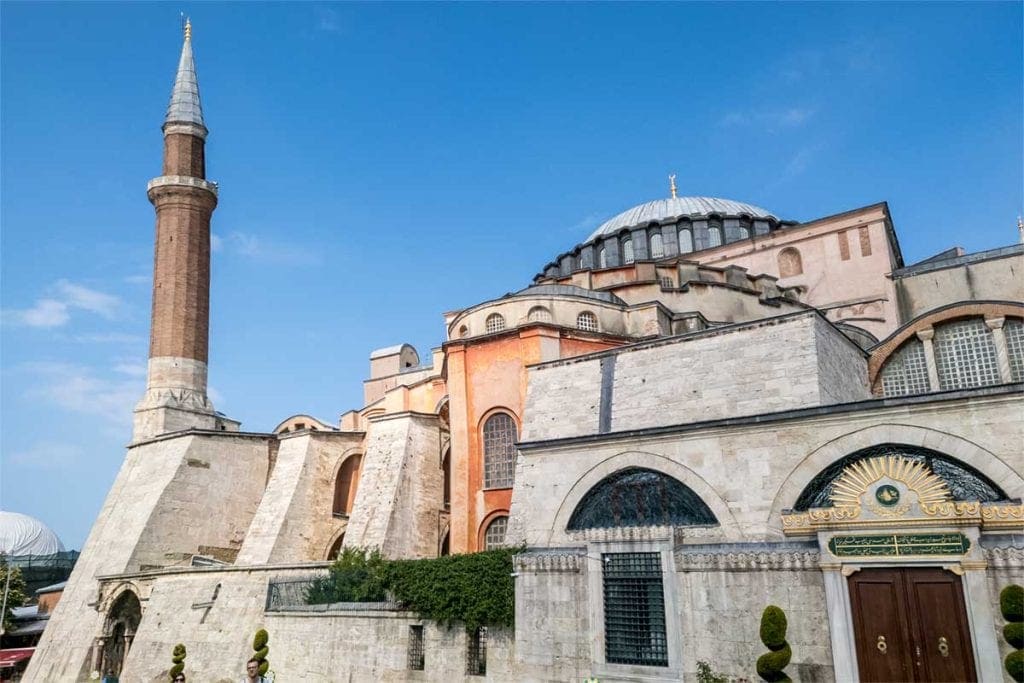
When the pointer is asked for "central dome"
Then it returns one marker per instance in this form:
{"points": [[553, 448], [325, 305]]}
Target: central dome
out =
{"points": [[678, 207], [24, 535]]}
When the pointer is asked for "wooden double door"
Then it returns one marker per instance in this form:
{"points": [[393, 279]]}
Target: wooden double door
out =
{"points": [[911, 625]]}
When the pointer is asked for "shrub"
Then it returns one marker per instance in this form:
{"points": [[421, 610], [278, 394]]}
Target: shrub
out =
{"points": [[1011, 604], [773, 634], [475, 589], [261, 650], [177, 661], [15, 592]]}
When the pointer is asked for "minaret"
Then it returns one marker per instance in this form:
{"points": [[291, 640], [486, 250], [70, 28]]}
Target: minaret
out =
{"points": [[184, 201]]}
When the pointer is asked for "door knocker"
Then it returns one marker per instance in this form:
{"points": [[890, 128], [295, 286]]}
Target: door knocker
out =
{"points": [[882, 646], [943, 646]]}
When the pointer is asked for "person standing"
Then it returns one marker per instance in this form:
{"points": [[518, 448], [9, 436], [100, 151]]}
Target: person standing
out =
{"points": [[252, 672]]}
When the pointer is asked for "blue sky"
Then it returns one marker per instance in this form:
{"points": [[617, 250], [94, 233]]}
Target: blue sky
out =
{"points": [[381, 164]]}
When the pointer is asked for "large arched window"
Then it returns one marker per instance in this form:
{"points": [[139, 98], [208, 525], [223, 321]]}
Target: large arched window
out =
{"points": [[494, 537], [122, 623], [586, 321], [345, 485], [964, 482], [685, 241], [1014, 331], [627, 250], [500, 436], [657, 245], [636, 496], [906, 371], [965, 355], [495, 323], [790, 263], [714, 236]]}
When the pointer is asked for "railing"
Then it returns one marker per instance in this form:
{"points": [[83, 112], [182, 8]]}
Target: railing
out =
{"points": [[292, 595]]}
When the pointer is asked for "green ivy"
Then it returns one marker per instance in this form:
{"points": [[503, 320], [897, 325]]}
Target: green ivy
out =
{"points": [[475, 589]]}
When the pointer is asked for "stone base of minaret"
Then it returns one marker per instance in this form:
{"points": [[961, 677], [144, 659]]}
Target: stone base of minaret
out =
{"points": [[176, 400]]}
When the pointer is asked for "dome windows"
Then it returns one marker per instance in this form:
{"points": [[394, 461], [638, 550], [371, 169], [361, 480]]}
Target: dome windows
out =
{"points": [[685, 241], [657, 246], [586, 321], [602, 258], [538, 314], [495, 323], [714, 236], [627, 250]]}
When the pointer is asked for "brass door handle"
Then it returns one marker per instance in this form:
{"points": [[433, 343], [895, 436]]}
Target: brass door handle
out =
{"points": [[943, 646], [881, 644]]}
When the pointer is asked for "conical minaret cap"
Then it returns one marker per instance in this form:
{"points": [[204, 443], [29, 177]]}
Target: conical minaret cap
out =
{"points": [[185, 107]]}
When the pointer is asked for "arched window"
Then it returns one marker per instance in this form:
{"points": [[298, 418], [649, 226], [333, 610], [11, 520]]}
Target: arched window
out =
{"points": [[964, 482], [122, 623], [906, 372], [627, 250], [1014, 331], [636, 496], [494, 537], [446, 473], [602, 258], [345, 485], [500, 436], [586, 321], [335, 550], [744, 232], [495, 323], [790, 263], [539, 314], [445, 545], [714, 236], [965, 355], [657, 245], [685, 241]]}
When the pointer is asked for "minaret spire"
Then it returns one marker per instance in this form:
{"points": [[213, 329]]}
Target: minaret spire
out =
{"points": [[184, 200]]}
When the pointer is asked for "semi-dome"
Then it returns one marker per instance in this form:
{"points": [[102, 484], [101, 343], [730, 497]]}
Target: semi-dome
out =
{"points": [[678, 207], [24, 535]]}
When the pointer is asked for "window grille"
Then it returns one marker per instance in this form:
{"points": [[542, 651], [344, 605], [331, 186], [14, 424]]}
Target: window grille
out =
{"points": [[714, 236], [416, 648], [495, 323], [744, 232], [906, 371], [602, 258], [499, 451], [685, 241], [1014, 332], [657, 246], [538, 314], [964, 482], [476, 652], [667, 283], [627, 250], [634, 609], [586, 321], [965, 355], [494, 537], [636, 497]]}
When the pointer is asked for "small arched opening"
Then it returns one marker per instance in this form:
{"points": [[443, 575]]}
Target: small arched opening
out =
{"points": [[345, 486]]}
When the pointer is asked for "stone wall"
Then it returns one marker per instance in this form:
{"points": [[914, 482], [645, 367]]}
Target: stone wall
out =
{"points": [[994, 275]]}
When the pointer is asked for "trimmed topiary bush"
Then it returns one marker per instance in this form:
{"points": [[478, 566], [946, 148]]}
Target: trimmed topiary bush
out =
{"points": [[261, 650], [1011, 604], [177, 661], [773, 634]]}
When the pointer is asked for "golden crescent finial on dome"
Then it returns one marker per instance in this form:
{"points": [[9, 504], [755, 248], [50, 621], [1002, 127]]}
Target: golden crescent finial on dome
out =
{"points": [[672, 185]]}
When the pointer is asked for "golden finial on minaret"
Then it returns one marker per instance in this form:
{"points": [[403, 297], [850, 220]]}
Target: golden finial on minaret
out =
{"points": [[188, 28], [672, 185]]}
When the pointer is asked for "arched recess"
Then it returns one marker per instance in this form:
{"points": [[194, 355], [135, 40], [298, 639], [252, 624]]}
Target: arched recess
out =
{"points": [[790, 262], [492, 516], [119, 629], [984, 461], [346, 483], [637, 497], [653, 461], [332, 552]]}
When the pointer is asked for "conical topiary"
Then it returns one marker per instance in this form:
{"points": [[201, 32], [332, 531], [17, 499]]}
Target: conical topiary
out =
{"points": [[177, 660], [261, 650], [1011, 604], [773, 634]]}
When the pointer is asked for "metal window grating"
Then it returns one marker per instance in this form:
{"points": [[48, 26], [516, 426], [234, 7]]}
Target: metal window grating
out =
{"points": [[1014, 332], [906, 371], [657, 246], [416, 648], [499, 451], [965, 355], [494, 537], [495, 323], [539, 314], [476, 652], [586, 321], [634, 609]]}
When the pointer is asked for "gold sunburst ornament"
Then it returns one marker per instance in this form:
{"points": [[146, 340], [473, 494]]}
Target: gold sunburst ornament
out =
{"points": [[857, 478]]}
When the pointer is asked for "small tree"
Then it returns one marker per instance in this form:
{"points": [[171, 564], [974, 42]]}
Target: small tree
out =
{"points": [[261, 650], [1011, 604], [177, 660], [773, 634], [14, 586]]}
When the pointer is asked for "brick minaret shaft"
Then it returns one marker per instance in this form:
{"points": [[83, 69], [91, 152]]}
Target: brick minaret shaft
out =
{"points": [[184, 201]]}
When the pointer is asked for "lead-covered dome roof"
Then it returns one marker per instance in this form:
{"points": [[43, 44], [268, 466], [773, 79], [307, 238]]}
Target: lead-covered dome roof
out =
{"points": [[678, 207], [24, 535]]}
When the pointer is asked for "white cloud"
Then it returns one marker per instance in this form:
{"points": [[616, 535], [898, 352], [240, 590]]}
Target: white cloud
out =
{"points": [[48, 455], [81, 389], [54, 309], [216, 398], [216, 243], [110, 338], [131, 369], [770, 121], [257, 248]]}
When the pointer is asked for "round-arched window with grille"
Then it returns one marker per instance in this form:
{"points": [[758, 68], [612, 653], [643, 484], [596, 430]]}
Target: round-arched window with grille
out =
{"points": [[495, 323], [500, 436], [636, 496], [494, 537], [586, 321]]}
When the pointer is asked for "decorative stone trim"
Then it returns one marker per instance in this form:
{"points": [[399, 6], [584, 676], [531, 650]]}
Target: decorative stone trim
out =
{"points": [[762, 560], [565, 562], [1004, 558], [178, 128], [646, 533], [172, 181]]}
